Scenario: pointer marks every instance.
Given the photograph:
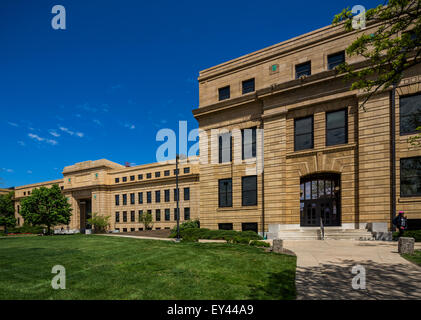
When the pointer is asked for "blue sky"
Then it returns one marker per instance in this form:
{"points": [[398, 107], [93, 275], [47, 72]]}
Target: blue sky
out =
{"points": [[120, 71]]}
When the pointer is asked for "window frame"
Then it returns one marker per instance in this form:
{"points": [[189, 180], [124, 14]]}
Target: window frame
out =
{"points": [[221, 150], [243, 191], [226, 97], [400, 114], [253, 143], [342, 53], [312, 132], [401, 176], [300, 65], [345, 110], [245, 81], [229, 204]]}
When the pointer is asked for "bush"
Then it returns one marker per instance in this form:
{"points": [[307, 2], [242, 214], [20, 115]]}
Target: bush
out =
{"points": [[191, 224], [26, 228], [416, 234], [257, 243], [194, 234], [100, 223]]}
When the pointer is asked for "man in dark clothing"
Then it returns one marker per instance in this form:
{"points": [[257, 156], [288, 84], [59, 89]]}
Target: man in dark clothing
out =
{"points": [[401, 223]]}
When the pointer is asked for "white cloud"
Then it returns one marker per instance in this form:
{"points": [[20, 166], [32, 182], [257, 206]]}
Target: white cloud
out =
{"points": [[72, 133], [130, 126], [40, 139], [54, 133], [80, 134]]}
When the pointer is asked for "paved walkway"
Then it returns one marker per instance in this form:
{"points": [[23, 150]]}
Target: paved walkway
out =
{"points": [[136, 237], [324, 270]]}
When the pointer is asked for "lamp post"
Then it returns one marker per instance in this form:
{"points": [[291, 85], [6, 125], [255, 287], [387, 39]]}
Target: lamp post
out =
{"points": [[178, 197]]}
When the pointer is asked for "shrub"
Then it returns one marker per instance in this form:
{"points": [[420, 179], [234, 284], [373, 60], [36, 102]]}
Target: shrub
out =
{"points": [[26, 228], [194, 234], [191, 224], [416, 234], [257, 243], [100, 223]]}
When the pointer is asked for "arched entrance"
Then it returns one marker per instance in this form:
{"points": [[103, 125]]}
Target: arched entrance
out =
{"points": [[320, 198]]}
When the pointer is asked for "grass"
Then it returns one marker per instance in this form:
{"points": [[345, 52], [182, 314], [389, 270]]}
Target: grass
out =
{"points": [[99, 267], [415, 258]]}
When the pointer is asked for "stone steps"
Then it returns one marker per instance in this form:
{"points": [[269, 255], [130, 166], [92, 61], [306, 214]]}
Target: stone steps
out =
{"points": [[315, 234]]}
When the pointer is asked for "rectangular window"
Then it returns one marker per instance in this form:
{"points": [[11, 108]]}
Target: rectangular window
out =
{"points": [[117, 200], [132, 178], [410, 177], [225, 193], [248, 86], [132, 216], [410, 114], [225, 147], [124, 216], [140, 213], [167, 195], [132, 198], [140, 197], [249, 227], [157, 196], [186, 194], [249, 191], [117, 180], [117, 217], [140, 177], [224, 93], [186, 170], [148, 175], [186, 214], [124, 199], [167, 215], [303, 133], [124, 179], [248, 143], [175, 194], [124, 229], [157, 174], [132, 229], [175, 214], [335, 60], [166, 173], [158, 215], [225, 226], [149, 197], [303, 69], [336, 127], [149, 211]]}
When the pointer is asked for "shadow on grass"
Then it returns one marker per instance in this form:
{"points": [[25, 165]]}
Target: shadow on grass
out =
{"points": [[333, 281], [278, 286]]}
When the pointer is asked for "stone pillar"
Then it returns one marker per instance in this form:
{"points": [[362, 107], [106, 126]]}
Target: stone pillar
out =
{"points": [[406, 245], [278, 245]]}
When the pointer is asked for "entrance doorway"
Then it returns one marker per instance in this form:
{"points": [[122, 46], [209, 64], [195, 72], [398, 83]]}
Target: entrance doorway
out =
{"points": [[320, 200], [85, 206]]}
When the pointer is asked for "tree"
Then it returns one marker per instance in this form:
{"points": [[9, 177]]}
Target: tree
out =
{"points": [[7, 211], [146, 219], [46, 206], [99, 222], [394, 47]]}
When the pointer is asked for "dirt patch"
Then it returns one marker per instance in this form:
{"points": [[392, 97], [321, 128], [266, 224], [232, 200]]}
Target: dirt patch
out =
{"points": [[149, 233]]}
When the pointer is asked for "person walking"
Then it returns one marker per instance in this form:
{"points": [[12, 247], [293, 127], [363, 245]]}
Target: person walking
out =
{"points": [[401, 223]]}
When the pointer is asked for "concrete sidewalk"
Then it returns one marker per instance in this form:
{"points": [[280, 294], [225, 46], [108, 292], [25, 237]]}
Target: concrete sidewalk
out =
{"points": [[136, 237], [324, 270]]}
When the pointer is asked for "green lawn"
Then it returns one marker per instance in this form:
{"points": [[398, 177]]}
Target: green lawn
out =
{"points": [[416, 258], [99, 267]]}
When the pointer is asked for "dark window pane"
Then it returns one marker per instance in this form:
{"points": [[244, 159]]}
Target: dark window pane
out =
{"points": [[225, 147], [140, 197], [248, 139], [124, 179], [149, 197], [167, 215], [167, 195], [140, 177], [157, 196], [132, 178], [303, 69], [117, 200], [410, 173], [186, 214], [132, 216], [124, 199], [157, 174], [225, 193], [248, 86], [148, 175], [132, 198], [224, 93], [166, 173], [117, 180], [335, 60], [249, 227], [187, 170], [410, 114], [303, 132], [225, 226], [117, 217], [186, 194], [158, 215], [249, 191], [336, 128]]}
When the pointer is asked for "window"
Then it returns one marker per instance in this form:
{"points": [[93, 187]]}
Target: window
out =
{"points": [[149, 212], [18, 209], [132, 178], [140, 229], [248, 86], [117, 180], [124, 179], [225, 226], [186, 194], [249, 227], [186, 170], [124, 216], [140, 197], [132, 229], [303, 69], [124, 199], [186, 214], [132, 198], [166, 173], [158, 215], [224, 93], [124, 229], [225, 193], [157, 174], [176, 213], [149, 197], [140, 177], [117, 217], [24, 193], [335, 60], [148, 175], [411, 177], [140, 213], [336, 127], [167, 195], [157, 196], [175, 194], [410, 114], [117, 200], [248, 143], [225, 147], [249, 191], [303, 133], [167, 215], [132, 216]]}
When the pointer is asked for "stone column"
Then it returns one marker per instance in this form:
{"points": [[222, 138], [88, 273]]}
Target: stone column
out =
{"points": [[406, 245], [278, 245]]}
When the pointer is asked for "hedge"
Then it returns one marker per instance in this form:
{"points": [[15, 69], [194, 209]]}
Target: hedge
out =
{"points": [[194, 234], [416, 234], [26, 229]]}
